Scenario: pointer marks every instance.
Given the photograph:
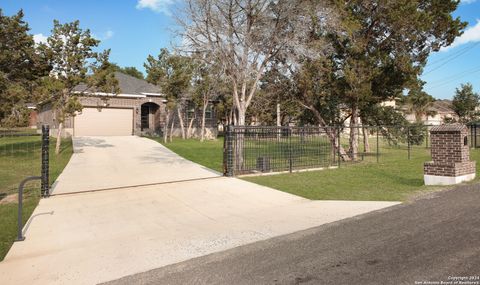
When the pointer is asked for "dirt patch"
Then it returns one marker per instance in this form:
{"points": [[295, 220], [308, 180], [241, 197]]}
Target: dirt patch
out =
{"points": [[12, 198]]}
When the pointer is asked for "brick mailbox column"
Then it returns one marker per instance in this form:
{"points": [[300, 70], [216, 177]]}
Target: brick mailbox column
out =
{"points": [[450, 156]]}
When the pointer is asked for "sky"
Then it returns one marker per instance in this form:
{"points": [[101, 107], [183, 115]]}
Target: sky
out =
{"points": [[134, 29]]}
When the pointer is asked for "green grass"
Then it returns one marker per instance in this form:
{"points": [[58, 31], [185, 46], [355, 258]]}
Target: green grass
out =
{"points": [[394, 178], [19, 158], [208, 153]]}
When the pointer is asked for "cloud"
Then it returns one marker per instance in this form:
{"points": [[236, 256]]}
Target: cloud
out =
{"points": [[471, 35], [40, 38], [104, 36], [468, 1], [108, 35], [159, 6]]}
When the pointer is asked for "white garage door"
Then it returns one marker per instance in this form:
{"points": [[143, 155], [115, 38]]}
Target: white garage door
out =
{"points": [[103, 122]]}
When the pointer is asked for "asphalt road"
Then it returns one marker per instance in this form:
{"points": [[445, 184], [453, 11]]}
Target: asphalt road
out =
{"points": [[431, 239]]}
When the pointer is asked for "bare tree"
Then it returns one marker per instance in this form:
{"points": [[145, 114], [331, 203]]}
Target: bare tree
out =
{"points": [[242, 35]]}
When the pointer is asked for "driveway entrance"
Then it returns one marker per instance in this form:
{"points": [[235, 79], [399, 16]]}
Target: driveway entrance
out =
{"points": [[100, 163], [93, 237]]}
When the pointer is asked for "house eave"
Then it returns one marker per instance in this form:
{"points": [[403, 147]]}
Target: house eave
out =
{"points": [[104, 94]]}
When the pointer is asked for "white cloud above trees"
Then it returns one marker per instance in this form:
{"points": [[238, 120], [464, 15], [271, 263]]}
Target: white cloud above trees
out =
{"points": [[471, 35], [159, 6], [39, 38]]}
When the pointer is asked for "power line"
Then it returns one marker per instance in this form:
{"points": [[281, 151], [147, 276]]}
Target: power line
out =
{"points": [[449, 60], [464, 49], [453, 79], [457, 75]]}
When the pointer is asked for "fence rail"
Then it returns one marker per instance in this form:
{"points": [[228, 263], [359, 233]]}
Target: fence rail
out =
{"points": [[23, 153], [262, 149]]}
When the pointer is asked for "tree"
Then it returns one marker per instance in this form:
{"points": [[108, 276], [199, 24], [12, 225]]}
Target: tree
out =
{"points": [[173, 73], [70, 51], [465, 103], [21, 67], [377, 50], [132, 71], [129, 70], [103, 78], [207, 81], [274, 104], [243, 36], [419, 103]]}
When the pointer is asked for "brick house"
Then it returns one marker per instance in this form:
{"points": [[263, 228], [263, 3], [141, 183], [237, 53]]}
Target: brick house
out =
{"points": [[139, 109]]}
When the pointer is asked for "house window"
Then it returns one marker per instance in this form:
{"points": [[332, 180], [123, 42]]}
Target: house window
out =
{"points": [[190, 113]]}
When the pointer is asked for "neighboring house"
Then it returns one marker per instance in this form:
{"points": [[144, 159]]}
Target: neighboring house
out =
{"points": [[443, 111], [139, 109]]}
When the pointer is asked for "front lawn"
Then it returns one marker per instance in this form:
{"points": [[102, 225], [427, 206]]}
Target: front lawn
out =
{"points": [[19, 158], [208, 153], [394, 178]]}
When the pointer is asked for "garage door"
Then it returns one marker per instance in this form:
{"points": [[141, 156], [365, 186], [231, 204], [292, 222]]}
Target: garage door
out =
{"points": [[103, 122]]}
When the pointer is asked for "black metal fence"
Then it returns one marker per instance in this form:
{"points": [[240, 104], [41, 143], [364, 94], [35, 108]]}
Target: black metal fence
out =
{"points": [[263, 149], [474, 134], [23, 153]]}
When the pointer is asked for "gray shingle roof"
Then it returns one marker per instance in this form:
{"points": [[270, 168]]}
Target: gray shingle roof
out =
{"points": [[448, 128], [128, 85]]}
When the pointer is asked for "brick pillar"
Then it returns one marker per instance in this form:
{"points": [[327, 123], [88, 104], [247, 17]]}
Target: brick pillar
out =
{"points": [[450, 156]]}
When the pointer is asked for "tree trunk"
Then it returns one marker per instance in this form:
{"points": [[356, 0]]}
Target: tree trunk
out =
{"points": [[165, 128], [241, 114], [235, 117], [180, 119], [279, 118], [366, 142], [189, 130], [353, 141], [202, 130], [279, 122], [59, 138], [332, 134], [171, 128]]}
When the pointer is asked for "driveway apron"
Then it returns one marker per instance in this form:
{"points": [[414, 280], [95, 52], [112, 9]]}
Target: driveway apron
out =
{"points": [[113, 162], [93, 237]]}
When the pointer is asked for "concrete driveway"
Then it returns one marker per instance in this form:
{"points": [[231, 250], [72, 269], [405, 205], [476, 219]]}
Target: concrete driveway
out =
{"points": [[92, 237], [113, 162]]}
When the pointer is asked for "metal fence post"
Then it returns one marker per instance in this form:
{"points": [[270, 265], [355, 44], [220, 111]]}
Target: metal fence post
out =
{"points": [[45, 161], [290, 162], [20, 236], [228, 152]]}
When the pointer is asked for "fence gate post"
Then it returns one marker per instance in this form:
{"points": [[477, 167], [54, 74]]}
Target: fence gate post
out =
{"points": [[228, 152], [45, 161]]}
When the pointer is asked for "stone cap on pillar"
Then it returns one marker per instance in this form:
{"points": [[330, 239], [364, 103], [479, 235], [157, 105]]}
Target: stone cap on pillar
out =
{"points": [[451, 128]]}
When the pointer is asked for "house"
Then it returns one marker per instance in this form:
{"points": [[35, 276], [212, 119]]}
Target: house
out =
{"points": [[442, 110], [139, 109]]}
